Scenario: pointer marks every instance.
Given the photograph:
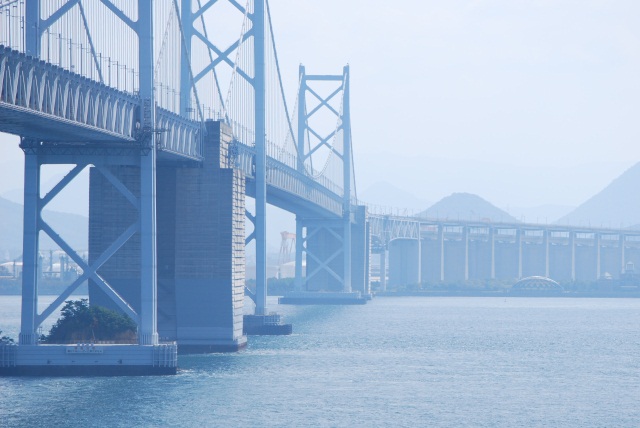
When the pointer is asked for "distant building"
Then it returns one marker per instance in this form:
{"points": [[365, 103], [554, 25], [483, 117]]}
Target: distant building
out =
{"points": [[537, 285], [11, 269]]}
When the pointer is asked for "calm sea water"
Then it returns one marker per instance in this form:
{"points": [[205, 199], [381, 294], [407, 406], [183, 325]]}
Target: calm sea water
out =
{"points": [[404, 362]]}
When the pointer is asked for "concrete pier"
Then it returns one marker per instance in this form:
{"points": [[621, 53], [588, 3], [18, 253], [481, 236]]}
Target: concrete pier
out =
{"points": [[404, 262], [467, 251], [88, 360], [331, 276], [200, 219]]}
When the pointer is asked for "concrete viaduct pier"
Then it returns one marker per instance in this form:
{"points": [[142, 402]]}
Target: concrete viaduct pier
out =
{"points": [[445, 251], [333, 237]]}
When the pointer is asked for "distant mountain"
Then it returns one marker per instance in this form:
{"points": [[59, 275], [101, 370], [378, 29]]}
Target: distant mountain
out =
{"points": [[385, 194], [616, 206], [73, 199], [72, 228], [467, 206]]}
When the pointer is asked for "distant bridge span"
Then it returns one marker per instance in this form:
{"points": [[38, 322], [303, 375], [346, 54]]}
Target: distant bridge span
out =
{"points": [[420, 250]]}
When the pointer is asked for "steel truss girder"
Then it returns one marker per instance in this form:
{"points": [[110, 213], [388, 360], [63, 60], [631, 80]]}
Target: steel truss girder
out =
{"points": [[98, 149], [47, 103], [388, 228], [33, 87], [283, 176], [178, 135]]}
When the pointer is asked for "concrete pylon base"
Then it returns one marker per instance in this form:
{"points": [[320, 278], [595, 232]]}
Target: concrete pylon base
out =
{"points": [[88, 360], [266, 325]]}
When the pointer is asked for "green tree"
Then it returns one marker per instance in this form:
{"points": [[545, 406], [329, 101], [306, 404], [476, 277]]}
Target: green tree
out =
{"points": [[83, 323], [5, 340]]}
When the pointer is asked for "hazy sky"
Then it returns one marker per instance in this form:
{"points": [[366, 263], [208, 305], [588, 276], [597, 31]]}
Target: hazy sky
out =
{"points": [[525, 83], [522, 102]]}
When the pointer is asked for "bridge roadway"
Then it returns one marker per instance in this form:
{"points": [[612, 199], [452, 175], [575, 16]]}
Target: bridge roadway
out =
{"points": [[44, 102], [455, 250]]}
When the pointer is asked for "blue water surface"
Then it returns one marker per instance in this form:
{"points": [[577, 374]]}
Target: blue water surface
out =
{"points": [[401, 362]]}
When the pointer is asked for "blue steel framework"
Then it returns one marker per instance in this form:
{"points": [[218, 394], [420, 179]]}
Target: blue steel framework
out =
{"points": [[275, 175], [65, 118], [305, 153], [141, 152], [257, 81]]}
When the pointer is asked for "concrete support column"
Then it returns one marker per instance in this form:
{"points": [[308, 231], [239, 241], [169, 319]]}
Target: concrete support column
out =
{"points": [[572, 242], [519, 233], [546, 237], [441, 242], [209, 255], [419, 260], [383, 270], [28, 334], [360, 251], [367, 271], [200, 246], [622, 253], [346, 249], [598, 256], [404, 266], [492, 238], [465, 234]]}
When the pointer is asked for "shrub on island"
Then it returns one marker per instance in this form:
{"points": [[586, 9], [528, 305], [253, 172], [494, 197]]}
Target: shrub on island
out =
{"points": [[81, 323]]}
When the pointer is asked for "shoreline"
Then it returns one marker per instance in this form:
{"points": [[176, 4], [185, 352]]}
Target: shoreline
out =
{"points": [[507, 293]]}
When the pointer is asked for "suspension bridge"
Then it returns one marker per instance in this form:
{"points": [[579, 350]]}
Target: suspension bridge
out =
{"points": [[178, 110], [177, 122]]}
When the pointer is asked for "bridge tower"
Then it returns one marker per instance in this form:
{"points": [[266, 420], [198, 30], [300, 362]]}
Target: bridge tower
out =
{"points": [[106, 137], [336, 250], [260, 222], [200, 218]]}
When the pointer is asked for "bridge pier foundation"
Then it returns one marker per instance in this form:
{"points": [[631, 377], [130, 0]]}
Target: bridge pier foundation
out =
{"points": [[383, 270], [30, 357], [326, 281], [404, 262], [200, 247]]}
